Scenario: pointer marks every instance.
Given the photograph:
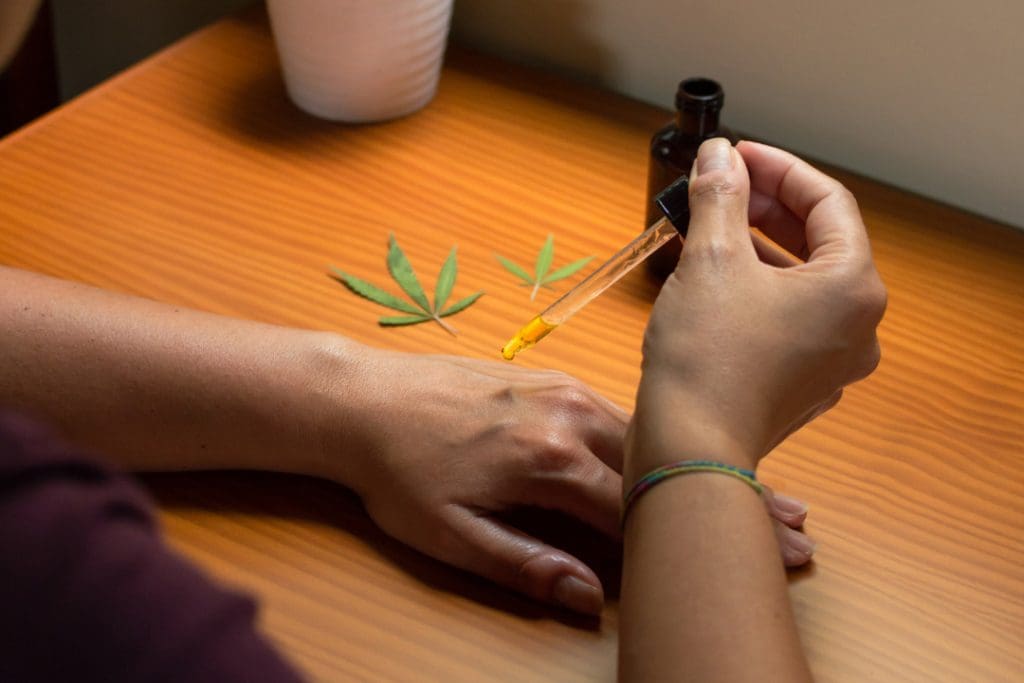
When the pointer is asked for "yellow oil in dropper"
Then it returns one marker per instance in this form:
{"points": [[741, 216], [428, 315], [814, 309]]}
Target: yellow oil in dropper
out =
{"points": [[532, 332]]}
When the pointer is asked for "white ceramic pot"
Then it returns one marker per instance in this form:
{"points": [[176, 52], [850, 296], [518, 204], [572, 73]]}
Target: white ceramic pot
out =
{"points": [[360, 60]]}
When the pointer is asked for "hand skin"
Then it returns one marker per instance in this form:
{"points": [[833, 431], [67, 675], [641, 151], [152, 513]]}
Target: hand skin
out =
{"points": [[434, 445], [738, 354]]}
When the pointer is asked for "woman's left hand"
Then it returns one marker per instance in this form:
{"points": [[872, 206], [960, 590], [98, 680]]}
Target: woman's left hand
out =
{"points": [[448, 443]]}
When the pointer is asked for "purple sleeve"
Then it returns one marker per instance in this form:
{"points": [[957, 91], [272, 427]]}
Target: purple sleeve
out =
{"points": [[88, 592]]}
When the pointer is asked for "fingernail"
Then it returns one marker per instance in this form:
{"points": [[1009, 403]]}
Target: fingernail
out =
{"points": [[714, 155], [802, 543], [578, 595], [790, 505]]}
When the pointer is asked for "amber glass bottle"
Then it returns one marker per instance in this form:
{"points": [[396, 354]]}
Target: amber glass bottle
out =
{"points": [[673, 149]]}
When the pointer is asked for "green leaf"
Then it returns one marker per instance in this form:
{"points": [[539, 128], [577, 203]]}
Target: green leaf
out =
{"points": [[372, 292], [515, 269], [566, 271], [401, 270], [462, 304], [544, 258], [445, 281], [395, 320], [543, 265]]}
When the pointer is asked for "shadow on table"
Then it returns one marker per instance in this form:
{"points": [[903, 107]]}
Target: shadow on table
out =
{"points": [[302, 498], [321, 502], [259, 110]]}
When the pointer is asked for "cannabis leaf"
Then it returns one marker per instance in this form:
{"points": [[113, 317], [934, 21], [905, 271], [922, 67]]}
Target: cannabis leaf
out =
{"points": [[541, 277], [420, 311]]}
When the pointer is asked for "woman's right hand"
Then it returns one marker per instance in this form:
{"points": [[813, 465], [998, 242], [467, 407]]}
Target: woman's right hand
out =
{"points": [[738, 353]]}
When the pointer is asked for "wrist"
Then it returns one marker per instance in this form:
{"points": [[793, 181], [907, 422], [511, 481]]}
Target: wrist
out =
{"points": [[336, 376], [671, 427], [645, 454]]}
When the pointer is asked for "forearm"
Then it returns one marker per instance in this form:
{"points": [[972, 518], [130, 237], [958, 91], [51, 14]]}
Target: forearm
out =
{"points": [[704, 596], [157, 387]]}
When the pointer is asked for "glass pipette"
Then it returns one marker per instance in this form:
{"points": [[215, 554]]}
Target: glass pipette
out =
{"points": [[673, 202]]}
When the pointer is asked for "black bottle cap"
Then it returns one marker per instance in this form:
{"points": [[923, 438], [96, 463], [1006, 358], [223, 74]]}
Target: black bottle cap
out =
{"points": [[701, 94], [674, 202]]}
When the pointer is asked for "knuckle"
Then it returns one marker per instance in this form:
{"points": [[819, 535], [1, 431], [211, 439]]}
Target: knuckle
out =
{"points": [[864, 282], [838, 194], [529, 574], [552, 452], [713, 186], [865, 297], [862, 361], [719, 250], [575, 399], [568, 398], [859, 297], [716, 250], [878, 298], [870, 360], [844, 195]]}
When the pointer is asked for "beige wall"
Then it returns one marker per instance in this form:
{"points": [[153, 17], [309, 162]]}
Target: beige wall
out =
{"points": [[97, 38], [924, 94]]}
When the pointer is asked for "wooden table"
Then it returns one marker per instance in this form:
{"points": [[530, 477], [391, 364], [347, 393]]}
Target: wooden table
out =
{"points": [[192, 180]]}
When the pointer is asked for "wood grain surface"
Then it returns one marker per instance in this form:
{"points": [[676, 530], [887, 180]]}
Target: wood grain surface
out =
{"points": [[191, 179]]}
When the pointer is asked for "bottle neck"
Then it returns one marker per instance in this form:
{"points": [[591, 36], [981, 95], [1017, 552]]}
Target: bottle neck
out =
{"points": [[697, 123]]}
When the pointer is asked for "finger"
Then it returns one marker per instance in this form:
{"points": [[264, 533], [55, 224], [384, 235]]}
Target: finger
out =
{"points": [[581, 486], [606, 436], [832, 221], [614, 409], [778, 223], [782, 176], [719, 195], [789, 511], [523, 563], [796, 547]]}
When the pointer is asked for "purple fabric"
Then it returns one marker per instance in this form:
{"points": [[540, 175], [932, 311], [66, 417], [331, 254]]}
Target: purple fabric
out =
{"points": [[88, 592]]}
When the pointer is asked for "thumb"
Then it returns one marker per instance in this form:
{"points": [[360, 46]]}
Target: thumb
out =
{"points": [[523, 563], [719, 199]]}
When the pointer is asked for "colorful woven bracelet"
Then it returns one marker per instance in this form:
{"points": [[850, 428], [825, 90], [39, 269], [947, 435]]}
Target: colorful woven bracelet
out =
{"points": [[659, 475]]}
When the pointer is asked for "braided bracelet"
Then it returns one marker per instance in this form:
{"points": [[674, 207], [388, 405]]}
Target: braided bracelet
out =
{"points": [[662, 473]]}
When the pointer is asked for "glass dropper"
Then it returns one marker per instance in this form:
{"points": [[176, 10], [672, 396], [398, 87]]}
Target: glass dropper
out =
{"points": [[674, 203]]}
